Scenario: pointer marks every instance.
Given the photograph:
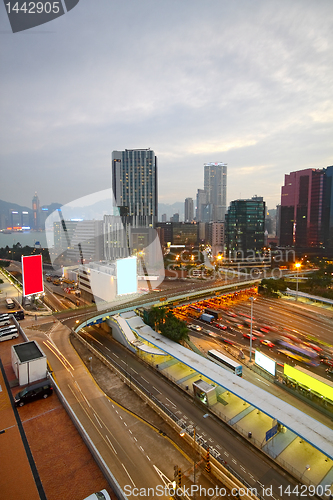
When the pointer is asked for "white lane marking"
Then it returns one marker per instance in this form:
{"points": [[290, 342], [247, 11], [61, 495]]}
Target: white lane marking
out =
{"points": [[170, 402], [120, 417], [260, 484], [124, 362], [128, 475], [134, 370], [107, 348], [251, 476], [242, 468], [125, 424], [144, 379], [113, 448], [148, 458], [117, 411], [129, 430], [226, 454], [97, 420], [234, 461], [141, 448], [116, 355], [262, 381], [135, 438]]}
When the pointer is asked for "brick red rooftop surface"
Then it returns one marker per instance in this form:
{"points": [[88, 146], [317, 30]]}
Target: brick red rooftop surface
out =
{"points": [[65, 466]]}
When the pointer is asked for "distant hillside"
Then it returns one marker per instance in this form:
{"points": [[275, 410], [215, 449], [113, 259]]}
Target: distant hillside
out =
{"points": [[5, 206], [169, 210]]}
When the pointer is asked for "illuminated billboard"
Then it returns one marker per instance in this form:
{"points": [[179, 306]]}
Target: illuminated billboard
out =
{"points": [[308, 379], [265, 362], [127, 276], [32, 274]]}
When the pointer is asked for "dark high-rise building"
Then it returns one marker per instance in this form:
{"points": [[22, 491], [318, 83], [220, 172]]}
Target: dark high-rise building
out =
{"points": [[306, 215], [134, 184], [328, 208], [244, 228], [215, 185], [189, 209]]}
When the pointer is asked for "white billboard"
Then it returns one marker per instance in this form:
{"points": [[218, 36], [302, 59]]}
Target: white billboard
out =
{"points": [[265, 362], [127, 281]]}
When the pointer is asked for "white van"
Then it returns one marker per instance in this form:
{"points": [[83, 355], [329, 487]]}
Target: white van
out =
{"points": [[10, 304], [8, 333]]}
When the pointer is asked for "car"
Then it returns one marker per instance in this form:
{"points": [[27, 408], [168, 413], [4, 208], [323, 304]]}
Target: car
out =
{"points": [[218, 325], [267, 342], [313, 346], [264, 330], [227, 341], [99, 495], [197, 328], [39, 390], [247, 336], [327, 361], [258, 334]]}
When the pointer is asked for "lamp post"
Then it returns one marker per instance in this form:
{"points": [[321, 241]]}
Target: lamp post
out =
{"points": [[307, 467], [252, 299], [194, 447], [297, 265]]}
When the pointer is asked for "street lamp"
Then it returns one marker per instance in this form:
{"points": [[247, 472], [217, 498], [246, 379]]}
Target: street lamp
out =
{"points": [[307, 467], [297, 265], [252, 299]]}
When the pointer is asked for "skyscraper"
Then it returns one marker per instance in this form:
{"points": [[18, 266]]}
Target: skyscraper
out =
{"points": [[134, 184], [201, 204], [244, 228], [35, 211], [215, 185], [188, 209], [306, 203]]}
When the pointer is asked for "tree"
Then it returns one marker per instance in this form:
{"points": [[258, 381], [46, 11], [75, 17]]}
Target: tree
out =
{"points": [[174, 328], [156, 317]]}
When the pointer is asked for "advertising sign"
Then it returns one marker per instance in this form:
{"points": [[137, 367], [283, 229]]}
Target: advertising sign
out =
{"points": [[32, 274]]}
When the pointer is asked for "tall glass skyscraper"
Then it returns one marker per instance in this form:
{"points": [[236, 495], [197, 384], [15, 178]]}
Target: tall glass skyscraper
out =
{"points": [[215, 185], [134, 184], [307, 209], [244, 228]]}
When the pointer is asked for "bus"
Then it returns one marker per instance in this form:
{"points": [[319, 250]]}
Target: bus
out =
{"points": [[303, 354], [225, 362], [194, 311], [10, 303]]}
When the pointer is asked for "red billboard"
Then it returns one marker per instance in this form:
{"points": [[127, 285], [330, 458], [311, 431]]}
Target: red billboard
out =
{"points": [[32, 274]]}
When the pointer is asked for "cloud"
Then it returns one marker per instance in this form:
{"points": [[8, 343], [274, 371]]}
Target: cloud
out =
{"points": [[246, 83]]}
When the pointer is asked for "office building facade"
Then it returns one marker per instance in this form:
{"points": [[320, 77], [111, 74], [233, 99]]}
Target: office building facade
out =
{"points": [[215, 185], [245, 228], [201, 205], [189, 214], [134, 184], [306, 213]]}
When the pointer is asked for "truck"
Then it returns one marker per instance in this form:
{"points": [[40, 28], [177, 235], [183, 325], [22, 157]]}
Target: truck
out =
{"points": [[214, 312], [208, 318]]}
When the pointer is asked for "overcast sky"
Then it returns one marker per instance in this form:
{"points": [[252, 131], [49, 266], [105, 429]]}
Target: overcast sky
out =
{"points": [[248, 83]]}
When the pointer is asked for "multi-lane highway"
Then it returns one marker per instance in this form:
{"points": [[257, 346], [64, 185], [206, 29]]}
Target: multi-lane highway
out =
{"points": [[248, 462]]}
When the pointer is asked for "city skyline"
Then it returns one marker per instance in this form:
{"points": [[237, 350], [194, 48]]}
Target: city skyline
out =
{"points": [[256, 95]]}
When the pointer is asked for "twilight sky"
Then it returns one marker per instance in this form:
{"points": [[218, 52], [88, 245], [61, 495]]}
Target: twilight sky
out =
{"points": [[245, 82]]}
